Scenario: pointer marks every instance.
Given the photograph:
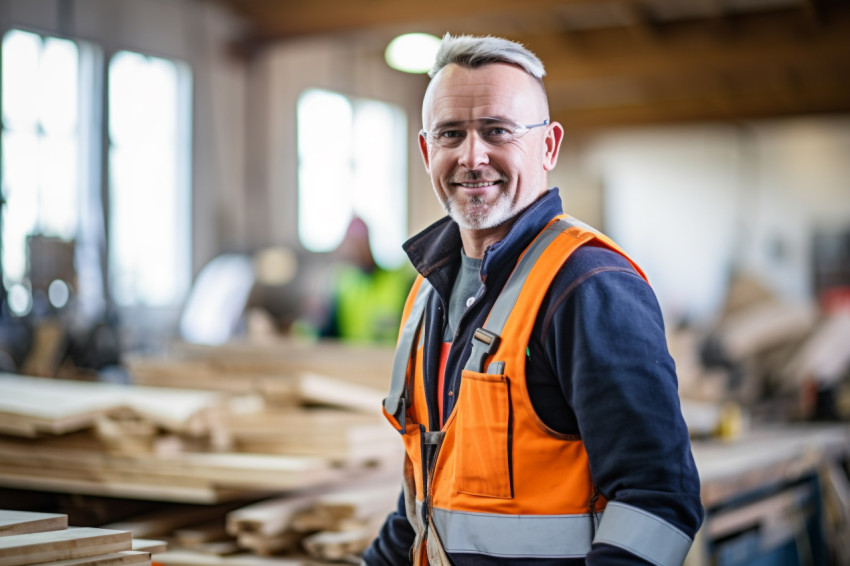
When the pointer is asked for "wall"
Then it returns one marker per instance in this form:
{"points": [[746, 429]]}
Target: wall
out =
{"points": [[693, 204]]}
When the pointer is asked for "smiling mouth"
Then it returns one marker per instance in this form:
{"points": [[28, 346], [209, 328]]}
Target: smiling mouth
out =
{"points": [[478, 185]]}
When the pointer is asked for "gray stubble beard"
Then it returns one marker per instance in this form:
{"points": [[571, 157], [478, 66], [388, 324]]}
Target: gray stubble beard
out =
{"points": [[497, 213]]}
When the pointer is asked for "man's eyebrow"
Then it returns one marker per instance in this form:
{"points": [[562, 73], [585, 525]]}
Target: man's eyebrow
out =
{"points": [[450, 124], [484, 120]]}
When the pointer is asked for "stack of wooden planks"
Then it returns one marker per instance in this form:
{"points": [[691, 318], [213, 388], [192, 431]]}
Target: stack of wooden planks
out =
{"points": [[315, 526], [28, 538], [165, 443], [284, 373], [317, 399], [328, 526], [295, 427], [30, 406]]}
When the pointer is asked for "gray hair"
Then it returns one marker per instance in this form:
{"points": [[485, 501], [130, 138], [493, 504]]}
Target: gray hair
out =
{"points": [[471, 51]]}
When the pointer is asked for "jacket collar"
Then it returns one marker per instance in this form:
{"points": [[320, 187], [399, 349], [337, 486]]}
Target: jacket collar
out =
{"points": [[435, 251]]}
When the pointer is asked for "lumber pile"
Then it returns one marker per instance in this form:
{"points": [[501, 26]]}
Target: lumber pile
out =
{"points": [[338, 436], [157, 443], [278, 449], [285, 372], [312, 399], [30, 406], [318, 526], [328, 526], [28, 538]]}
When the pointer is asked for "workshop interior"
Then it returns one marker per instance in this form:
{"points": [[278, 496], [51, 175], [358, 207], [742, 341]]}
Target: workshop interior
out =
{"points": [[202, 210]]}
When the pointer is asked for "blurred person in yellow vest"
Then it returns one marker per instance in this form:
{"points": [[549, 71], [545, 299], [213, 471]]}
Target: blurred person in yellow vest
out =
{"points": [[366, 299]]}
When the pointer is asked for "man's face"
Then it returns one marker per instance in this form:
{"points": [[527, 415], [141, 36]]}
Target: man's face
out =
{"points": [[480, 184]]}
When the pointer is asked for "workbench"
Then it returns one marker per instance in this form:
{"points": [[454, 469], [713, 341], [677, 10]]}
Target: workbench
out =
{"points": [[764, 495]]}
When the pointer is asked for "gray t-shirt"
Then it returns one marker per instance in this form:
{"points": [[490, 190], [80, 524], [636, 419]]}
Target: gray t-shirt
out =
{"points": [[466, 286]]}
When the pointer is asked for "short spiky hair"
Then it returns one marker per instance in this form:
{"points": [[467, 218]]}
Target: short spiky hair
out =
{"points": [[471, 51]]}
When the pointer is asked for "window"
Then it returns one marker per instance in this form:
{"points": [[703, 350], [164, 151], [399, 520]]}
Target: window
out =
{"points": [[52, 157], [41, 149], [149, 204], [352, 160]]}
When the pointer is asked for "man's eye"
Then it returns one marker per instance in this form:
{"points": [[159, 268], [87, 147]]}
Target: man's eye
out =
{"points": [[449, 134], [497, 132]]}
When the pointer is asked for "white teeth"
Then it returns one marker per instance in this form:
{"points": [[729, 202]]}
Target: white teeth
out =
{"points": [[477, 185]]}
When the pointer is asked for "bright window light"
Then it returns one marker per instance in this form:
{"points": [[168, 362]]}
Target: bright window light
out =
{"points": [[40, 143], [352, 161], [149, 190]]}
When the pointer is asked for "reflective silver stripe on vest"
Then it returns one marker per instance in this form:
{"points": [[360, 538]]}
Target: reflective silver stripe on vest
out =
{"points": [[643, 534], [514, 536], [406, 348], [506, 300]]}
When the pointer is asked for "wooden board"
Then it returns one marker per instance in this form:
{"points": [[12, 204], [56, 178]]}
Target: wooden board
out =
{"points": [[218, 548], [190, 558], [58, 406], [280, 382], [212, 531], [337, 392], [284, 543], [34, 548], [169, 518], [126, 558], [149, 546], [330, 545], [34, 478], [333, 434], [26, 464], [361, 503], [24, 522], [268, 518]]}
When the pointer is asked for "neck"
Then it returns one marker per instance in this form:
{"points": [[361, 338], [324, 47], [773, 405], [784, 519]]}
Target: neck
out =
{"points": [[476, 242]]}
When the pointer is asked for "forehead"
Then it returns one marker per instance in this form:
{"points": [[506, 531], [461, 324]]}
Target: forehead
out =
{"points": [[495, 90]]}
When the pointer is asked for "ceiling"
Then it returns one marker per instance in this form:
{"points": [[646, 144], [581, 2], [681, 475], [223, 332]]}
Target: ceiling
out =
{"points": [[621, 62]]}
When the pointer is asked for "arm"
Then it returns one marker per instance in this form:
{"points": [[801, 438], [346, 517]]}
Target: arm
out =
{"points": [[392, 547], [607, 346]]}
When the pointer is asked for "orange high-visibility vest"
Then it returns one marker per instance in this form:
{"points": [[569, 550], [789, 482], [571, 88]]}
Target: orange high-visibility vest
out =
{"points": [[500, 482]]}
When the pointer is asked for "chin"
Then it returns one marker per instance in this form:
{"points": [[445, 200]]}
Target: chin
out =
{"points": [[490, 219]]}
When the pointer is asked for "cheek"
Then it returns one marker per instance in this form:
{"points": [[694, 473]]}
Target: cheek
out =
{"points": [[441, 166]]}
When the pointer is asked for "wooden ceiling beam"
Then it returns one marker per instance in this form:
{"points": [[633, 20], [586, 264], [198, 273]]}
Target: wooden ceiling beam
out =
{"points": [[272, 20], [707, 101], [724, 66], [758, 40]]}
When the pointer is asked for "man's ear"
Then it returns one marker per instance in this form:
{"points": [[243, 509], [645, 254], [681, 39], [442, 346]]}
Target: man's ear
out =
{"points": [[552, 145], [423, 149]]}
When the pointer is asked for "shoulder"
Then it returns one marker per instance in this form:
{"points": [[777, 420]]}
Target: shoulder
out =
{"points": [[593, 259], [596, 278]]}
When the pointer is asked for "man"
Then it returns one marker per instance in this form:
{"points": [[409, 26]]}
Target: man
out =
{"points": [[532, 387]]}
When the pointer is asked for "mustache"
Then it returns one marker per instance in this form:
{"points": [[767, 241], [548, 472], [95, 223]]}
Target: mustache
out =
{"points": [[477, 177]]}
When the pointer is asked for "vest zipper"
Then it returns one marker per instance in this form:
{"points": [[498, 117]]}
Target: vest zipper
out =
{"points": [[594, 497], [430, 444]]}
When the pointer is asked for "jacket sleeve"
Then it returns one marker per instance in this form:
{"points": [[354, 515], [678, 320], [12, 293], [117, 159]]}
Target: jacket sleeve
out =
{"points": [[393, 544], [607, 345]]}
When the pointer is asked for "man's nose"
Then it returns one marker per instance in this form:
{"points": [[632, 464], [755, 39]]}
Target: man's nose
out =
{"points": [[474, 151]]}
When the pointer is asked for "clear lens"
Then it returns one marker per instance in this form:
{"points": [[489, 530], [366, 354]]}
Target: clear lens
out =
{"points": [[492, 132]]}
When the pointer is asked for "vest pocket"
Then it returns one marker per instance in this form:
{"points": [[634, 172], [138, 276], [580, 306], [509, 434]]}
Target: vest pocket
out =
{"points": [[483, 421]]}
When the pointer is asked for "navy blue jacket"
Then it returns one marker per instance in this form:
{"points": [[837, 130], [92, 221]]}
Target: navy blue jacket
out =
{"points": [[598, 366]]}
